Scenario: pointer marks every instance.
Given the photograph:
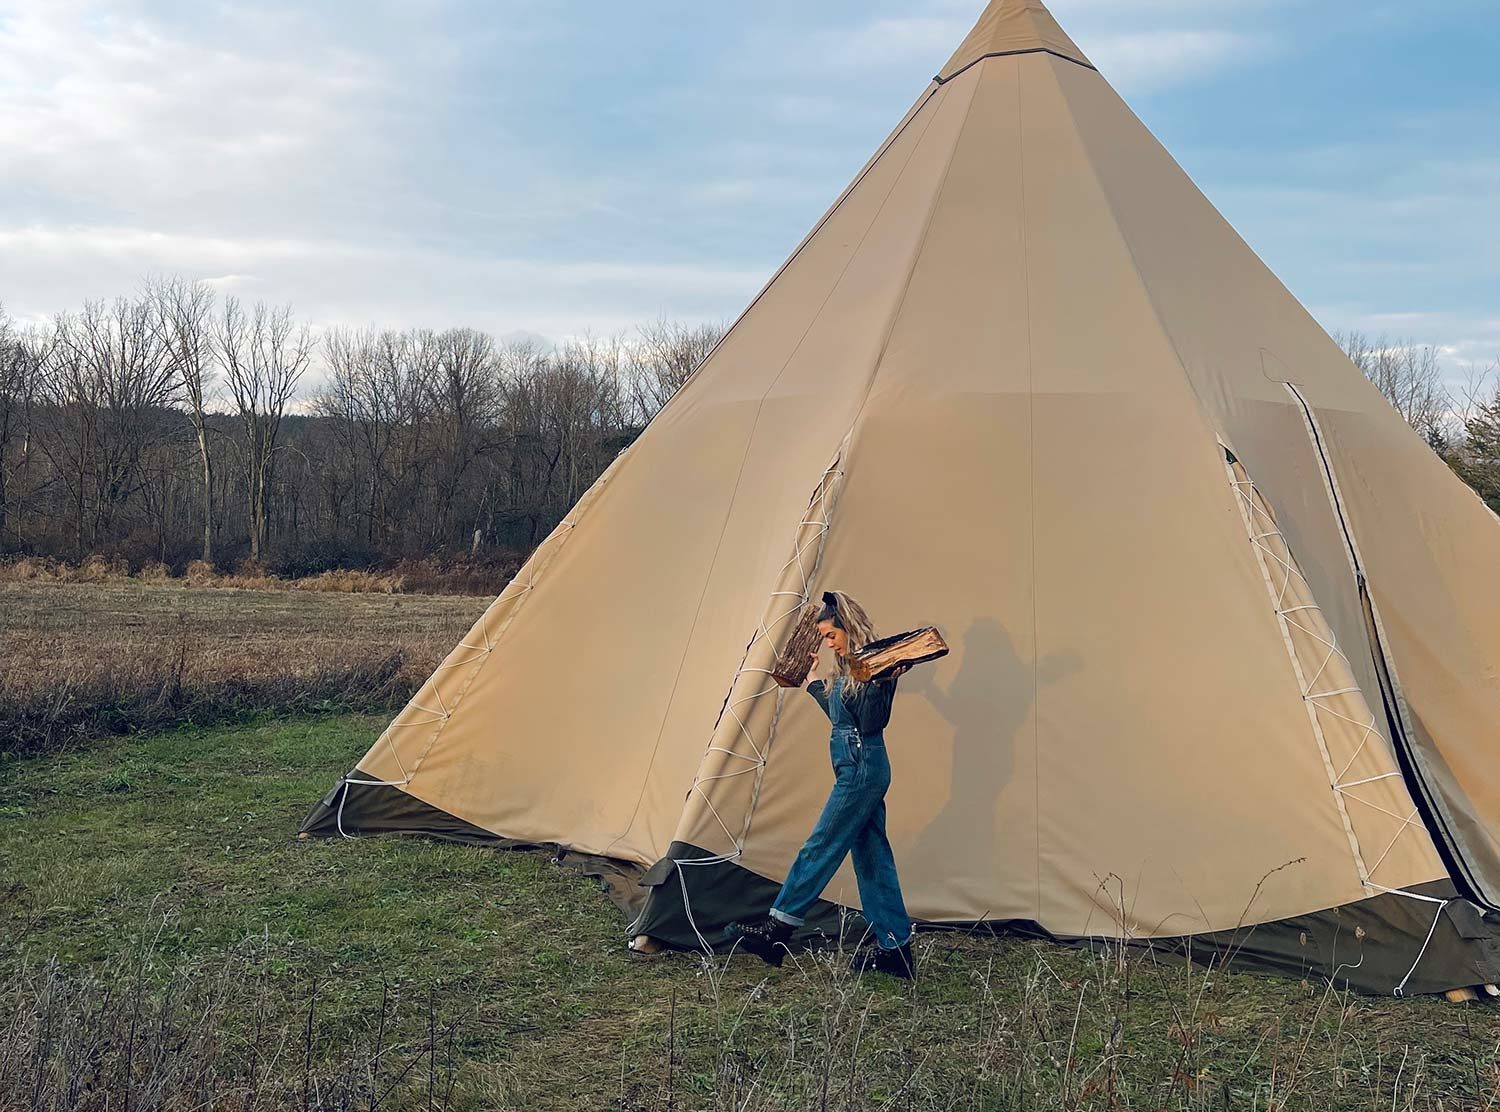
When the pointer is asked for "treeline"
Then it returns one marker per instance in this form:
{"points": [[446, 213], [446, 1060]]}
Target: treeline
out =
{"points": [[177, 425], [1459, 419]]}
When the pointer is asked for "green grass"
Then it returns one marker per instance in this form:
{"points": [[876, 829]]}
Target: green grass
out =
{"points": [[134, 860]]}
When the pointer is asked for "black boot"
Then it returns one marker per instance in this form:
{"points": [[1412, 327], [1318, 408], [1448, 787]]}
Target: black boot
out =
{"points": [[767, 939], [895, 963]]}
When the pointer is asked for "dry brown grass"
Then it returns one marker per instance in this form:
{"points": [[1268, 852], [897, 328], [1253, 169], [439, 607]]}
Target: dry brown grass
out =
{"points": [[1022, 1026], [154, 1039], [429, 577], [88, 658]]}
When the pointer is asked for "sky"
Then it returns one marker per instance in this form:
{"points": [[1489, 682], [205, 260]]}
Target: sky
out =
{"points": [[561, 167]]}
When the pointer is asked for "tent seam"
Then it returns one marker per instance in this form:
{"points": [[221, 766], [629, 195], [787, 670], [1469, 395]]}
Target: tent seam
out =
{"points": [[842, 465], [911, 115], [750, 441], [1135, 265], [846, 450], [825, 496], [911, 272], [1036, 649]]}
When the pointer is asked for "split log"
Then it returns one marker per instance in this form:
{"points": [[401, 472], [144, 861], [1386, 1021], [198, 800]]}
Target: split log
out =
{"points": [[795, 660], [914, 647]]}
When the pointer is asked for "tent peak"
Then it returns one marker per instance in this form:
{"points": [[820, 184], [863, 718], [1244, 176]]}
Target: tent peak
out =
{"points": [[1013, 27]]}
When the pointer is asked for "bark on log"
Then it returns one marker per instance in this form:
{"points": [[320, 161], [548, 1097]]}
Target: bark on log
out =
{"points": [[795, 660], [915, 647]]}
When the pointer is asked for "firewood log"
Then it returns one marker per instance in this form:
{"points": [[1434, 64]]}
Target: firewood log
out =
{"points": [[915, 647], [795, 660]]}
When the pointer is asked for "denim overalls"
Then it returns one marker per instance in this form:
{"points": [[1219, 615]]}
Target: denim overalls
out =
{"points": [[852, 822]]}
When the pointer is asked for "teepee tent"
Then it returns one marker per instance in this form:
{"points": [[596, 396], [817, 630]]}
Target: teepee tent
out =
{"points": [[1226, 634]]}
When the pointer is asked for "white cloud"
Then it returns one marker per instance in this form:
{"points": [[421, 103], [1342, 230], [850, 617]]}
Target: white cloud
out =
{"points": [[232, 283], [1134, 9], [1464, 339], [893, 41], [750, 190], [1145, 55], [356, 283], [1148, 61], [141, 243], [1070, 12], [104, 107], [805, 109]]}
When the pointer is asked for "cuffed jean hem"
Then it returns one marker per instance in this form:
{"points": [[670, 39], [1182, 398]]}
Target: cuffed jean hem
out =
{"points": [[911, 937], [789, 920]]}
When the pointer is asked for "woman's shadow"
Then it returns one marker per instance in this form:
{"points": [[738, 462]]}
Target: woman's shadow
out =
{"points": [[987, 703]]}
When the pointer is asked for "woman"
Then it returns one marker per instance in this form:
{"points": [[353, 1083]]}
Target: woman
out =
{"points": [[853, 819]]}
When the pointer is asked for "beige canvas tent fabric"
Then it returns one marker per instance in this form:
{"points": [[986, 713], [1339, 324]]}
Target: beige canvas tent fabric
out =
{"points": [[1021, 382], [1010, 28], [1425, 541]]}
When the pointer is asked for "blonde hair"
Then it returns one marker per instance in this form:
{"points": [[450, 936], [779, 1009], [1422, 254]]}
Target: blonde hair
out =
{"points": [[848, 615]]}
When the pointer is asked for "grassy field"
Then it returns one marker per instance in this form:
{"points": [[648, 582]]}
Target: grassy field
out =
{"points": [[164, 924], [83, 659], [167, 943]]}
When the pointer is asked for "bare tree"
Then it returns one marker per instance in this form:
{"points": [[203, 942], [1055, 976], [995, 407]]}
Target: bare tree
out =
{"points": [[362, 401], [465, 403], [70, 395], [1474, 454], [264, 356], [410, 365], [421, 440], [340, 404], [586, 399], [1474, 392], [414, 411], [1410, 375], [19, 361], [108, 377], [665, 353], [187, 312], [519, 497]]}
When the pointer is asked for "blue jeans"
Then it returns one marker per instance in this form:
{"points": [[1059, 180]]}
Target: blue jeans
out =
{"points": [[852, 822]]}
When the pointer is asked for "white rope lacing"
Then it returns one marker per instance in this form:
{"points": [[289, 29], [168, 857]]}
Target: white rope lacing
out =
{"points": [[1287, 583], [742, 748], [1288, 588]]}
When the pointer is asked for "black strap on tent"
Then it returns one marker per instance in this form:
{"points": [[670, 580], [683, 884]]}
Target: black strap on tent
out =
{"points": [[941, 80]]}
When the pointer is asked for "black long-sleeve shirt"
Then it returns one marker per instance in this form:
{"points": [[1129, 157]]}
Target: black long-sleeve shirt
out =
{"points": [[871, 708]]}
